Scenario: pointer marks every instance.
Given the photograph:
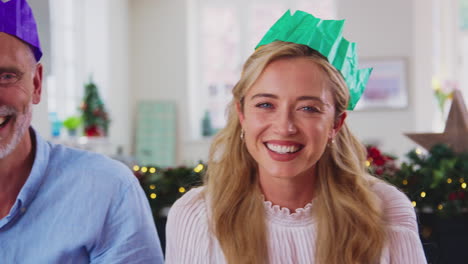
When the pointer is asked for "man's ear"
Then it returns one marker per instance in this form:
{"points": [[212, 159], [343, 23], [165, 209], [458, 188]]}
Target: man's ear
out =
{"points": [[339, 121], [240, 113], [37, 82]]}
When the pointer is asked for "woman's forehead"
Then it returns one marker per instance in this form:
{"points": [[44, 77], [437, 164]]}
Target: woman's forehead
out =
{"points": [[293, 76]]}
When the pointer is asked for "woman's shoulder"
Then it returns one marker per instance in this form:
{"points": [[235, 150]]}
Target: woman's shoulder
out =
{"points": [[397, 208], [191, 202], [187, 232], [188, 211], [404, 245]]}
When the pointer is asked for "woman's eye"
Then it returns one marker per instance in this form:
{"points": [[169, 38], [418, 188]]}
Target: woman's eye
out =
{"points": [[264, 105], [310, 109], [8, 78]]}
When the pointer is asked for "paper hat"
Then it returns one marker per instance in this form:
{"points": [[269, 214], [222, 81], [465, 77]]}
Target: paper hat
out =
{"points": [[17, 19], [324, 36]]}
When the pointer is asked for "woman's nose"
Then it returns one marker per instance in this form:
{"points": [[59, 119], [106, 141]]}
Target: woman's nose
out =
{"points": [[285, 124]]}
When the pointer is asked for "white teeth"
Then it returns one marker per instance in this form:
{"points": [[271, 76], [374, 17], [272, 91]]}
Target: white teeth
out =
{"points": [[282, 149]]}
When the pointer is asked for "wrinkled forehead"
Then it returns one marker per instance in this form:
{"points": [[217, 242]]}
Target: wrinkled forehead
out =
{"points": [[13, 48]]}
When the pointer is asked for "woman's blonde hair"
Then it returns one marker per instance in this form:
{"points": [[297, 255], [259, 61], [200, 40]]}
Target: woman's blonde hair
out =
{"points": [[350, 223]]}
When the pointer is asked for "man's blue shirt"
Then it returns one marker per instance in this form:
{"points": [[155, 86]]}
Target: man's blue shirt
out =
{"points": [[78, 207]]}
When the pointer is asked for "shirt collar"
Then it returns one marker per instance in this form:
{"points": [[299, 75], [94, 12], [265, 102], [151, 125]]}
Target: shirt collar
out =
{"points": [[37, 175]]}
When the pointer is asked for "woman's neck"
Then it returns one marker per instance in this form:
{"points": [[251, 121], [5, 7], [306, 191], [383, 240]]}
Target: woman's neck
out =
{"points": [[288, 192]]}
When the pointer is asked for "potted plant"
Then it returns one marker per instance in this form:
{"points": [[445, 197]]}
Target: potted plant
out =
{"points": [[71, 124]]}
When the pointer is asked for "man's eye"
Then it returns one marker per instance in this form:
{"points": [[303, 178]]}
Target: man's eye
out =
{"points": [[8, 78]]}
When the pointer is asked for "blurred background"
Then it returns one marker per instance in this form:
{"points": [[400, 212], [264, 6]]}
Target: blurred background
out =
{"points": [[164, 69], [147, 82]]}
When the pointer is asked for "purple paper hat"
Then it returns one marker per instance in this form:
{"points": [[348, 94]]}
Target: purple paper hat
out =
{"points": [[17, 19]]}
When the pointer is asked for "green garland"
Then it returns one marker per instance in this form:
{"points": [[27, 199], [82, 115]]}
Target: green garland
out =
{"points": [[163, 186], [434, 182]]}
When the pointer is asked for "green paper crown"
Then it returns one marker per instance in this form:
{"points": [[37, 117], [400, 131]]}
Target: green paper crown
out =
{"points": [[324, 36]]}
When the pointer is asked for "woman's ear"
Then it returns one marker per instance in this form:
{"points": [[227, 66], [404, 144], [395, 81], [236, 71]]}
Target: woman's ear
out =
{"points": [[339, 121]]}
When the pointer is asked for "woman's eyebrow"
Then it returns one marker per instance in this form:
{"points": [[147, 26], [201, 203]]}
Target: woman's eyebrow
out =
{"points": [[264, 95]]}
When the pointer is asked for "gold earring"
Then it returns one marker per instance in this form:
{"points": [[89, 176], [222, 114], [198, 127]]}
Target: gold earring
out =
{"points": [[242, 134]]}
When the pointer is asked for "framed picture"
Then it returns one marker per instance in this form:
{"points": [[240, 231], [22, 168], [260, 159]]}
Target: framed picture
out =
{"points": [[387, 85]]}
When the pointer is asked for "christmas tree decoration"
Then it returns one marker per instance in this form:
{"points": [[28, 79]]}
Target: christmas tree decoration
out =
{"points": [[95, 118], [456, 129], [324, 36]]}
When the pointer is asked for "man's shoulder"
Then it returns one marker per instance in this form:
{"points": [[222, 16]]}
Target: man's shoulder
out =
{"points": [[86, 163]]}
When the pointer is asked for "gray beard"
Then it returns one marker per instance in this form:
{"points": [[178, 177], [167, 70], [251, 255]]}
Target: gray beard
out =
{"points": [[23, 120]]}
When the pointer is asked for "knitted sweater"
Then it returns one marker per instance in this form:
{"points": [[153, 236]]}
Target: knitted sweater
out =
{"points": [[291, 235]]}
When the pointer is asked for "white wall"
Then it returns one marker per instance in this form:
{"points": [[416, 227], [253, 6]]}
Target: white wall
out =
{"points": [[41, 13], [120, 88], [384, 29], [104, 54], [159, 58], [148, 61]]}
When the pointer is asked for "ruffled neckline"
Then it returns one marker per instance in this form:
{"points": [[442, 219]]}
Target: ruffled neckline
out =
{"points": [[283, 216]]}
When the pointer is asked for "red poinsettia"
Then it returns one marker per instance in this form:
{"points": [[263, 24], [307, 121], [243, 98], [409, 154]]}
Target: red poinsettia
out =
{"points": [[459, 195], [380, 164]]}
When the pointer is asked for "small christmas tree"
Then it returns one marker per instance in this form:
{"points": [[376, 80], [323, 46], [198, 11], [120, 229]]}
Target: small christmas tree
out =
{"points": [[95, 118]]}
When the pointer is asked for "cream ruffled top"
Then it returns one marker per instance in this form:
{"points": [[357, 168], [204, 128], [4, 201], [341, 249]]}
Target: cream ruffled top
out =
{"points": [[291, 234]]}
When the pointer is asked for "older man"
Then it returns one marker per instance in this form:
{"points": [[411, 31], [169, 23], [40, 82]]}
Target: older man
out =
{"points": [[58, 205]]}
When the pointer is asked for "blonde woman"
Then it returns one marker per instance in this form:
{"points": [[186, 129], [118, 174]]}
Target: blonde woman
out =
{"points": [[286, 180]]}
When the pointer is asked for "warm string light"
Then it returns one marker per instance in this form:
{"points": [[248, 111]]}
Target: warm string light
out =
{"points": [[198, 168], [153, 170], [418, 151], [440, 206], [137, 168]]}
